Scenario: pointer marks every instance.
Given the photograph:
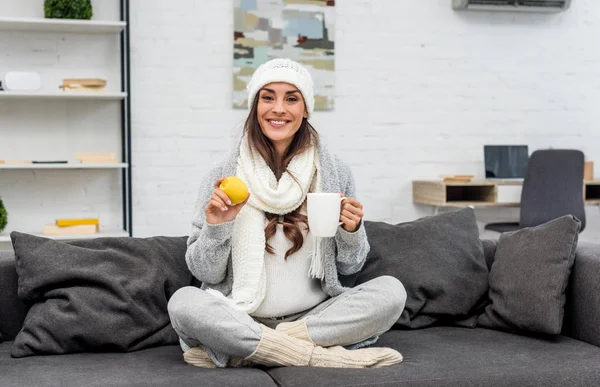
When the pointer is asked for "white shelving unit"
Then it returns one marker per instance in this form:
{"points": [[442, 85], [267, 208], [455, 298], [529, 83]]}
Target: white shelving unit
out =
{"points": [[31, 26]]}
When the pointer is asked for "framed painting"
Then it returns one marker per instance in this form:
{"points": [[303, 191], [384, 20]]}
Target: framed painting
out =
{"points": [[301, 30]]}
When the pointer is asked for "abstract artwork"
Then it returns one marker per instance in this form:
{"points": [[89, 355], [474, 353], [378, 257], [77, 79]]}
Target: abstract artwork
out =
{"points": [[302, 30]]}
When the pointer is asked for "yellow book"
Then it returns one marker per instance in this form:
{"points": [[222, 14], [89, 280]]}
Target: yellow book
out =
{"points": [[76, 222]]}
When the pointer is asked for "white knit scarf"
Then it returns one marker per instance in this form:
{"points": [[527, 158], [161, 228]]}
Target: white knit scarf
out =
{"points": [[267, 195]]}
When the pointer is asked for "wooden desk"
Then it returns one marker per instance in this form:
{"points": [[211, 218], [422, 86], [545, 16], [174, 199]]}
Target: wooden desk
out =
{"points": [[481, 193]]}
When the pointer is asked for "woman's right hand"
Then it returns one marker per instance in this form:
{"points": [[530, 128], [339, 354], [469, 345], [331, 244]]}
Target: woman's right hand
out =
{"points": [[219, 210]]}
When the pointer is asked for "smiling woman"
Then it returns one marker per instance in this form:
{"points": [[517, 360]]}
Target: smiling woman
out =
{"points": [[269, 286]]}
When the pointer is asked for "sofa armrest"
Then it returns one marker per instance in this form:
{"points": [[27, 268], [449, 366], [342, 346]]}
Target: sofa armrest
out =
{"points": [[12, 310], [582, 309]]}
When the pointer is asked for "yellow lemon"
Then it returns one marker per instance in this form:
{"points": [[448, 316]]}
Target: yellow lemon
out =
{"points": [[235, 189]]}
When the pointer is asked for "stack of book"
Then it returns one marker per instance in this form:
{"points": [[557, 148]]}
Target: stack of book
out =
{"points": [[97, 157], [73, 226], [83, 84]]}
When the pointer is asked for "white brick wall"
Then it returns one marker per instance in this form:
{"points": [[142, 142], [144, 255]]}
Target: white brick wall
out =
{"points": [[419, 89]]}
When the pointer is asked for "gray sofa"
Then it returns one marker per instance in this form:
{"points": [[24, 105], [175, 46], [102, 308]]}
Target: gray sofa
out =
{"points": [[433, 356]]}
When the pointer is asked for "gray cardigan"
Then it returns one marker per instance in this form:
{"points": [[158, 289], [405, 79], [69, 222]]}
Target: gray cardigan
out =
{"points": [[208, 255]]}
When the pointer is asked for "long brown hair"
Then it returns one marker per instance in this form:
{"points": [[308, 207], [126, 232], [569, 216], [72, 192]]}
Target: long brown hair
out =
{"points": [[305, 137]]}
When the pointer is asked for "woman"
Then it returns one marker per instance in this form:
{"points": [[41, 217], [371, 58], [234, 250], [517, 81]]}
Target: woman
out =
{"points": [[269, 296]]}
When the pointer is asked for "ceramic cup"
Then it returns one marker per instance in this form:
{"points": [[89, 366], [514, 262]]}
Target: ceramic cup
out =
{"points": [[323, 211]]}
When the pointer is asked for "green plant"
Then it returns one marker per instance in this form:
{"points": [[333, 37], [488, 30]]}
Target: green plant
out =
{"points": [[68, 9], [3, 216]]}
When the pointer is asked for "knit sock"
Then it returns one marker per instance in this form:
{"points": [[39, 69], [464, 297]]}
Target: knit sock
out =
{"points": [[297, 329], [198, 357], [278, 349]]}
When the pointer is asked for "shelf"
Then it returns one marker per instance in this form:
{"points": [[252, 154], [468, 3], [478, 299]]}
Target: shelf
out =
{"points": [[61, 25], [66, 166], [5, 236], [63, 95]]}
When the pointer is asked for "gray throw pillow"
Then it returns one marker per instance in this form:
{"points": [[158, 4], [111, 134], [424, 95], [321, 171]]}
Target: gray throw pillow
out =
{"points": [[439, 260], [529, 276], [105, 294]]}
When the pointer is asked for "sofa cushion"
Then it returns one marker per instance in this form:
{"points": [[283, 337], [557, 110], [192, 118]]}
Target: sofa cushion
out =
{"points": [[105, 294], [161, 366], [458, 357], [529, 276], [439, 260]]}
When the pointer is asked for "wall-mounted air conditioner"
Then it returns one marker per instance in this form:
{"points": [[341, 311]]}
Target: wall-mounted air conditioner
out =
{"points": [[513, 5]]}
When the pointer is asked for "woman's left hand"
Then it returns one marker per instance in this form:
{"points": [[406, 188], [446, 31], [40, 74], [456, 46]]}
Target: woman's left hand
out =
{"points": [[351, 213]]}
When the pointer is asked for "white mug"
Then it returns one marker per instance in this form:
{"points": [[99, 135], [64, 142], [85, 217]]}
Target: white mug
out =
{"points": [[323, 211]]}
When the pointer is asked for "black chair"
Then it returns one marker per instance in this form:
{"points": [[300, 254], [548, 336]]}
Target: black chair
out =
{"points": [[553, 187]]}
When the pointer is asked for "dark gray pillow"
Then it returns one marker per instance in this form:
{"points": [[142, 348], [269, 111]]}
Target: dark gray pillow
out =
{"points": [[439, 260], [105, 294], [529, 276]]}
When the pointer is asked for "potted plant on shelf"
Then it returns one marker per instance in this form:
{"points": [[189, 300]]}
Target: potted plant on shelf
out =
{"points": [[68, 9], [3, 216]]}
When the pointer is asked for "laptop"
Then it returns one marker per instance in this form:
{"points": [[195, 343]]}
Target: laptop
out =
{"points": [[506, 162]]}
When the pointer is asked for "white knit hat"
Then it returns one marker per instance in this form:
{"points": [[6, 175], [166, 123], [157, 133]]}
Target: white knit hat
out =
{"points": [[283, 70]]}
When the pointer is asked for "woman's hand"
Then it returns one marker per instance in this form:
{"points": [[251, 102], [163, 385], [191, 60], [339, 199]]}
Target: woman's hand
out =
{"points": [[351, 214], [219, 209]]}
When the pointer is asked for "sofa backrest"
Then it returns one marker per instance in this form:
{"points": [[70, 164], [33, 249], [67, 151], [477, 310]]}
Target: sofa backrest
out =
{"points": [[489, 249], [12, 310]]}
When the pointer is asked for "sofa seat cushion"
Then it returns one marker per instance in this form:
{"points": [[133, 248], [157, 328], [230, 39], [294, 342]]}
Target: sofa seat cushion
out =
{"points": [[457, 357], [160, 366]]}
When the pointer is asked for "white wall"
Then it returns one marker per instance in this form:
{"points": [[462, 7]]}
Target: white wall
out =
{"points": [[419, 89]]}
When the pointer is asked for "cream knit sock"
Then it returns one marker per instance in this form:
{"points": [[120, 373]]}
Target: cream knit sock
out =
{"points": [[297, 329], [198, 357], [278, 349]]}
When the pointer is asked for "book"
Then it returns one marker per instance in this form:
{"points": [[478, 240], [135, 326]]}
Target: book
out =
{"points": [[64, 222], [96, 157], [84, 82], [84, 88], [457, 178], [51, 229], [15, 161], [98, 160]]}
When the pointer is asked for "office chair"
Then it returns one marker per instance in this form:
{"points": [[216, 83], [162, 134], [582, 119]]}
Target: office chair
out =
{"points": [[553, 187]]}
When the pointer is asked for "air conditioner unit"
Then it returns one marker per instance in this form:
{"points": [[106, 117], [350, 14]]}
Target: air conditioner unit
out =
{"points": [[513, 5]]}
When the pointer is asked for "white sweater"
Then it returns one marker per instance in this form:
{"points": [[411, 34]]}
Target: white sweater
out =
{"points": [[289, 288]]}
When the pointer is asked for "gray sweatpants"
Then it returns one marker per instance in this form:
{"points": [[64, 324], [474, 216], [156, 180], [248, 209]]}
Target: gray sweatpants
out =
{"points": [[354, 316]]}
